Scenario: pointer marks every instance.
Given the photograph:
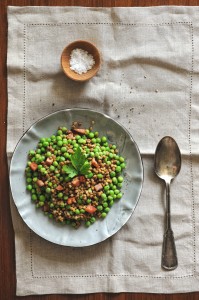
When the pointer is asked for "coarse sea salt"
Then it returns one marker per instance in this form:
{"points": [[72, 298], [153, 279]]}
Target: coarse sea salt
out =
{"points": [[81, 61]]}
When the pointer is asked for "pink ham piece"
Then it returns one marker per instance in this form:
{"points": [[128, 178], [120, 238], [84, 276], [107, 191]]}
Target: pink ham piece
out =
{"points": [[98, 187]]}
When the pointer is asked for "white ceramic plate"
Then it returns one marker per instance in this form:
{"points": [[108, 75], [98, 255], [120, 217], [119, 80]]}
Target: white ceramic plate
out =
{"points": [[120, 212]]}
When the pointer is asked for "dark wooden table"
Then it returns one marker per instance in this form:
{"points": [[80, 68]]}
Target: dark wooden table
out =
{"points": [[7, 250]]}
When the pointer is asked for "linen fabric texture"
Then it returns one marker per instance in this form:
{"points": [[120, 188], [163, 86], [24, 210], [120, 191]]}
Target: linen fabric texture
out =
{"points": [[148, 81]]}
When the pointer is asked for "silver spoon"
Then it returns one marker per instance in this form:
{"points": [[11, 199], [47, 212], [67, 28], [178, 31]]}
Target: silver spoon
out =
{"points": [[167, 167]]}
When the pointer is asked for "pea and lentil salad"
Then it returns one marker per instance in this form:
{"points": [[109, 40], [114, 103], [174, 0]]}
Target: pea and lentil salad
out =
{"points": [[75, 176]]}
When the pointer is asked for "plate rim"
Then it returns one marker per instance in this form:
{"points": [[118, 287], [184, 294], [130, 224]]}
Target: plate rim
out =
{"points": [[112, 120]]}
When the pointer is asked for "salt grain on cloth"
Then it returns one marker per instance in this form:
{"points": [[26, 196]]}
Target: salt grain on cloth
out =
{"points": [[81, 61]]}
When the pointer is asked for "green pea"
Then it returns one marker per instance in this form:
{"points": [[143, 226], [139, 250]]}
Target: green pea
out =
{"points": [[48, 154], [91, 135], [118, 169], [98, 140], [103, 215], [106, 188], [122, 165], [65, 141], [114, 180], [43, 170], [99, 176], [52, 168], [48, 190], [81, 141], [119, 195], [67, 155], [116, 192], [99, 207], [92, 219], [63, 149], [77, 137], [29, 187], [93, 140], [111, 203], [104, 139], [90, 175], [112, 174], [103, 196], [75, 145], [59, 143], [32, 152], [62, 158], [111, 192], [59, 132], [107, 209], [42, 198], [88, 223], [120, 179], [34, 197], [110, 198], [45, 144], [87, 131], [60, 195], [77, 211], [111, 155]]}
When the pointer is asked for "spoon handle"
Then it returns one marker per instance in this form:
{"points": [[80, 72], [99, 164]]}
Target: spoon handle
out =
{"points": [[169, 255]]}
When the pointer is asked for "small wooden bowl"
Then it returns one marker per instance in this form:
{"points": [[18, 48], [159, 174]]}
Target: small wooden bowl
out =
{"points": [[65, 60]]}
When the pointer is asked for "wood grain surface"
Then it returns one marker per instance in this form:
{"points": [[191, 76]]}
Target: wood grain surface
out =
{"points": [[7, 250]]}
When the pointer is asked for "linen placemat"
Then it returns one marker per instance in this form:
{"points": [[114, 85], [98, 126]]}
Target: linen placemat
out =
{"points": [[148, 81]]}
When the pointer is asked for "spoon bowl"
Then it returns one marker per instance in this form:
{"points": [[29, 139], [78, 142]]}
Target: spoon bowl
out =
{"points": [[167, 166], [167, 159]]}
